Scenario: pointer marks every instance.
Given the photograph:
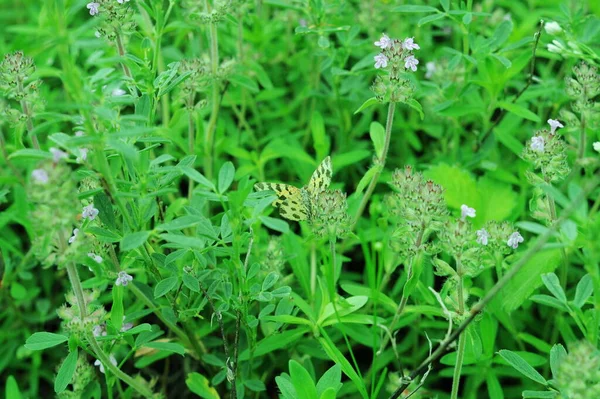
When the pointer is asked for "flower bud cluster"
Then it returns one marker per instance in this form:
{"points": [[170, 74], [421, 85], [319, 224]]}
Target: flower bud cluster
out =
{"points": [[547, 152], [83, 375], [71, 315], [396, 57], [220, 10], [117, 17], [582, 89], [330, 214], [16, 85], [578, 375]]}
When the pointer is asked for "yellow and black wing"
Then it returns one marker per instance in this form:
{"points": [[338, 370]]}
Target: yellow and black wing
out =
{"points": [[321, 178], [289, 200]]}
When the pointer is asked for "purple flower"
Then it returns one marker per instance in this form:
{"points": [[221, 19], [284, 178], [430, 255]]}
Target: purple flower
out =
{"points": [[554, 124], [411, 63], [514, 240], [40, 176], [409, 44], [381, 61], [384, 42], [466, 211], [94, 8]]}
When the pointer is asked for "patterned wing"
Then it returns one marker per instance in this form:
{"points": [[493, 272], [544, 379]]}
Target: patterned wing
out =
{"points": [[289, 200], [321, 178]]}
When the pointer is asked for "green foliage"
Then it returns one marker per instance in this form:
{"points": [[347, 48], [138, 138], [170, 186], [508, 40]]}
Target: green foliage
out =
{"points": [[137, 258]]}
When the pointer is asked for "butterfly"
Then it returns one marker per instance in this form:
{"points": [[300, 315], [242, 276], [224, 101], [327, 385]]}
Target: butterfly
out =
{"points": [[296, 203]]}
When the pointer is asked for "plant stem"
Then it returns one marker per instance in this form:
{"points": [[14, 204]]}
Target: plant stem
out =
{"points": [[28, 116], [216, 103], [191, 138], [460, 352], [564, 267], [122, 53], [381, 164], [479, 306]]}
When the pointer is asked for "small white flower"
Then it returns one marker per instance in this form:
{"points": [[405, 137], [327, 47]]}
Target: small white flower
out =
{"points": [[554, 124], [552, 28], [556, 47], [101, 366], [74, 236], [57, 154], [122, 1], [482, 236], [126, 326], [466, 211], [596, 146], [89, 212], [79, 133], [381, 61], [411, 63], [409, 44], [97, 258], [384, 42], [431, 68], [97, 34], [99, 330], [514, 240], [302, 22], [40, 176], [123, 279], [83, 152], [93, 7], [537, 144], [118, 92]]}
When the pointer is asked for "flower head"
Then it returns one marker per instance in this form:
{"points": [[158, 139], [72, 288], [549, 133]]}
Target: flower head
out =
{"points": [[514, 240], [94, 8], [552, 28], [537, 143], [384, 42], [57, 154], [482, 236], [101, 366], [40, 176], [466, 211], [74, 236], [411, 63], [89, 212], [123, 279], [409, 44], [554, 124], [381, 61], [96, 258]]}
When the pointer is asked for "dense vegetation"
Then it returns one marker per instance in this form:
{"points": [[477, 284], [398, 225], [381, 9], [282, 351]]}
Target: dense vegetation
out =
{"points": [[299, 199]]}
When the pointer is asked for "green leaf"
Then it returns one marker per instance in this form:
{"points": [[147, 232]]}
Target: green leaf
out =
{"points": [[549, 301], [303, 383], [165, 286], [585, 288], [430, 18], [199, 385], [557, 355], [275, 341], [138, 329], [197, 177], [134, 240], [191, 282], [494, 387], [367, 177], [522, 366], [414, 104], [331, 379], [270, 280], [371, 101], [540, 394], [104, 206], [519, 111], [553, 284], [329, 393], [44, 340], [377, 132], [166, 347], [319, 136], [30, 154], [66, 371], [276, 224], [411, 8], [117, 311], [180, 223], [226, 175], [12, 388], [255, 385]]}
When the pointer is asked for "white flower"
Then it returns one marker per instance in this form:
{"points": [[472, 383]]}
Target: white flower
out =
{"points": [[409, 44], [411, 63], [431, 68], [79, 133], [537, 144], [97, 34], [118, 92], [466, 211], [552, 28], [97, 258], [99, 363], [74, 236], [40, 176], [122, 1], [99, 330], [83, 152], [514, 240], [381, 61], [93, 7], [482, 236], [123, 279], [57, 154], [556, 47], [596, 146], [384, 42], [89, 212], [554, 124], [126, 326]]}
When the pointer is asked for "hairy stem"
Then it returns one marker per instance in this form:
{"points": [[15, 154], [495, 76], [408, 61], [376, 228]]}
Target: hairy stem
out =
{"points": [[460, 352], [28, 117], [209, 134]]}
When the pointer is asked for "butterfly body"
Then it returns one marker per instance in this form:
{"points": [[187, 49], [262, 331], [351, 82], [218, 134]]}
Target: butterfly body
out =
{"points": [[297, 203]]}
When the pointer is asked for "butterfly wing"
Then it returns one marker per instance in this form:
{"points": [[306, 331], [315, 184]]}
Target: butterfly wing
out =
{"points": [[289, 200], [321, 178]]}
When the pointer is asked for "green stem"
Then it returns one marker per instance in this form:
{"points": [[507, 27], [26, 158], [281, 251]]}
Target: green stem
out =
{"points": [[460, 352], [122, 53], [212, 122], [564, 267], [191, 139], [28, 117], [381, 164]]}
